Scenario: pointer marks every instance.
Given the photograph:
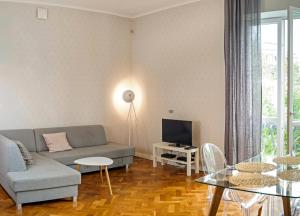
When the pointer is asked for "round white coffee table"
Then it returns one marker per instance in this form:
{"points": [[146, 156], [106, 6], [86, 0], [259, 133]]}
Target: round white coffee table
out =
{"points": [[96, 161]]}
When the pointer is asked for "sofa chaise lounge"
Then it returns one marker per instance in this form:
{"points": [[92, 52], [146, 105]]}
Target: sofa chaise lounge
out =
{"points": [[52, 175]]}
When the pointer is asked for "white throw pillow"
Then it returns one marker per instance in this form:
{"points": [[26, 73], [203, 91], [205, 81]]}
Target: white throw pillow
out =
{"points": [[57, 142]]}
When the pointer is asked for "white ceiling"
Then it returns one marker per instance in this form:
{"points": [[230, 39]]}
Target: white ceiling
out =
{"points": [[125, 8]]}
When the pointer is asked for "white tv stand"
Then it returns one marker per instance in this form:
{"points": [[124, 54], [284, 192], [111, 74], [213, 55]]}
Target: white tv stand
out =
{"points": [[159, 147]]}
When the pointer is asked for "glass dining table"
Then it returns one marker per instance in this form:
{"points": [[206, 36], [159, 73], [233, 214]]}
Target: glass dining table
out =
{"points": [[287, 190]]}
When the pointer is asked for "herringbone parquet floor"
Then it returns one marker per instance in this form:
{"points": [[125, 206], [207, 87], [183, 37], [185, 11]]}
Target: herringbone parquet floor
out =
{"points": [[142, 191]]}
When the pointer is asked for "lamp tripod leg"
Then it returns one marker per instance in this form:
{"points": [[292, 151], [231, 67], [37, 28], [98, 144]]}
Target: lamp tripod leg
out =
{"points": [[129, 117]]}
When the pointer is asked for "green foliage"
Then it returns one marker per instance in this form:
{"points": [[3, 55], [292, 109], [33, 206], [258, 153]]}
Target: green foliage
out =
{"points": [[297, 141], [269, 131], [296, 92], [269, 140]]}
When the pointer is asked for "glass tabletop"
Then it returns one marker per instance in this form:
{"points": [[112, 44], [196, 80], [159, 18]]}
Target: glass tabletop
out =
{"points": [[284, 188]]}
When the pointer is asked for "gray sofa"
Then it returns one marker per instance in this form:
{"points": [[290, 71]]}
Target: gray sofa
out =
{"points": [[52, 175]]}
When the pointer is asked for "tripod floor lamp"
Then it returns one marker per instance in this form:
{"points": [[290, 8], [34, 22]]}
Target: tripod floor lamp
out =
{"points": [[128, 97]]}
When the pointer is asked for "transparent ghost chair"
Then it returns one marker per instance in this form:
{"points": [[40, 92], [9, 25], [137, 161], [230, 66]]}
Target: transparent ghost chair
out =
{"points": [[213, 160]]}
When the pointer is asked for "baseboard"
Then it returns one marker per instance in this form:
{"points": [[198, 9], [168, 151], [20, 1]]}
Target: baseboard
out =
{"points": [[142, 155]]}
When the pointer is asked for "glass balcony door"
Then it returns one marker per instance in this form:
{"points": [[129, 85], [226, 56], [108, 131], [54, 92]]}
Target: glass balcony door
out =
{"points": [[293, 62], [281, 82], [273, 85]]}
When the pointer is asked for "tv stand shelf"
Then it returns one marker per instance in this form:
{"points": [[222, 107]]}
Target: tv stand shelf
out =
{"points": [[158, 147]]}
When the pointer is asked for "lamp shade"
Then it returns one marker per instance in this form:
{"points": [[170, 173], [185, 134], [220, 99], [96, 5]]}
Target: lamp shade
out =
{"points": [[128, 96]]}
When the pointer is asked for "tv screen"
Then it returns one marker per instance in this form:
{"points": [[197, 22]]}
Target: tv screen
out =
{"points": [[177, 131]]}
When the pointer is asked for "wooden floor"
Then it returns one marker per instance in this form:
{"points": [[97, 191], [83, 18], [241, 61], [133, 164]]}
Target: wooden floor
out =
{"points": [[141, 191]]}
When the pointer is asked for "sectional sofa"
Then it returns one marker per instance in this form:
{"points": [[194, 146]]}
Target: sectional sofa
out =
{"points": [[52, 175]]}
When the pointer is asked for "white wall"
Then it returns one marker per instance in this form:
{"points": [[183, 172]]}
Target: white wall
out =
{"points": [[272, 5], [64, 71], [178, 59], [60, 71]]}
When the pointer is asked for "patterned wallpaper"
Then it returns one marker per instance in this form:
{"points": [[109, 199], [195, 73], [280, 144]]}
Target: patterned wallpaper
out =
{"points": [[60, 71]]}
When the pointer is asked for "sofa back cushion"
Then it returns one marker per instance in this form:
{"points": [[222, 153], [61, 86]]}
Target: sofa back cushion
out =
{"points": [[11, 159], [78, 136], [25, 136]]}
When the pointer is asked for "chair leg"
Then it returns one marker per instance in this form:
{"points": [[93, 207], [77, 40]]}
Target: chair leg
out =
{"points": [[246, 211], [74, 201], [210, 192], [296, 207], [127, 167], [225, 208]]}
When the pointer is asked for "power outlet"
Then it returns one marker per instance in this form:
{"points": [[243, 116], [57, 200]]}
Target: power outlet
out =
{"points": [[42, 13]]}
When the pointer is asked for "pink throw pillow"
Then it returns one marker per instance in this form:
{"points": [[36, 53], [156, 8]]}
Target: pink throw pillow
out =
{"points": [[57, 142]]}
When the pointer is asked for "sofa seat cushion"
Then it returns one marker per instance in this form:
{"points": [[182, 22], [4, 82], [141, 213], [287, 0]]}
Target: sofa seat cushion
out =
{"points": [[110, 150], [44, 173]]}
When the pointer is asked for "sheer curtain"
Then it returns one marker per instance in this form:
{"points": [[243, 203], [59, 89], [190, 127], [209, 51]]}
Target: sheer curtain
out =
{"points": [[243, 79]]}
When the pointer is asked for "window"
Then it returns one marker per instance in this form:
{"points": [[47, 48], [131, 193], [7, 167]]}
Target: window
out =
{"points": [[280, 83]]}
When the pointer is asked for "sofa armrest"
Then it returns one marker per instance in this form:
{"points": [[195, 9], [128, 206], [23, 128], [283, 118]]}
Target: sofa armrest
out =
{"points": [[11, 159]]}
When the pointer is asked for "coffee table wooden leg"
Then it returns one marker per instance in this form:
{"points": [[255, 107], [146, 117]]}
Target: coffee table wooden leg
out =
{"points": [[101, 174], [213, 209], [286, 206], [108, 180], [78, 167]]}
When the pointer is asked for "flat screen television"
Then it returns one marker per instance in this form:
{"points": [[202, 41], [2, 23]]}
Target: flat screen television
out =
{"points": [[177, 131]]}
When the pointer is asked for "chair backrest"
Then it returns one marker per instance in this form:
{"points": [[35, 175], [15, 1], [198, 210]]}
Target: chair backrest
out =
{"points": [[212, 158]]}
